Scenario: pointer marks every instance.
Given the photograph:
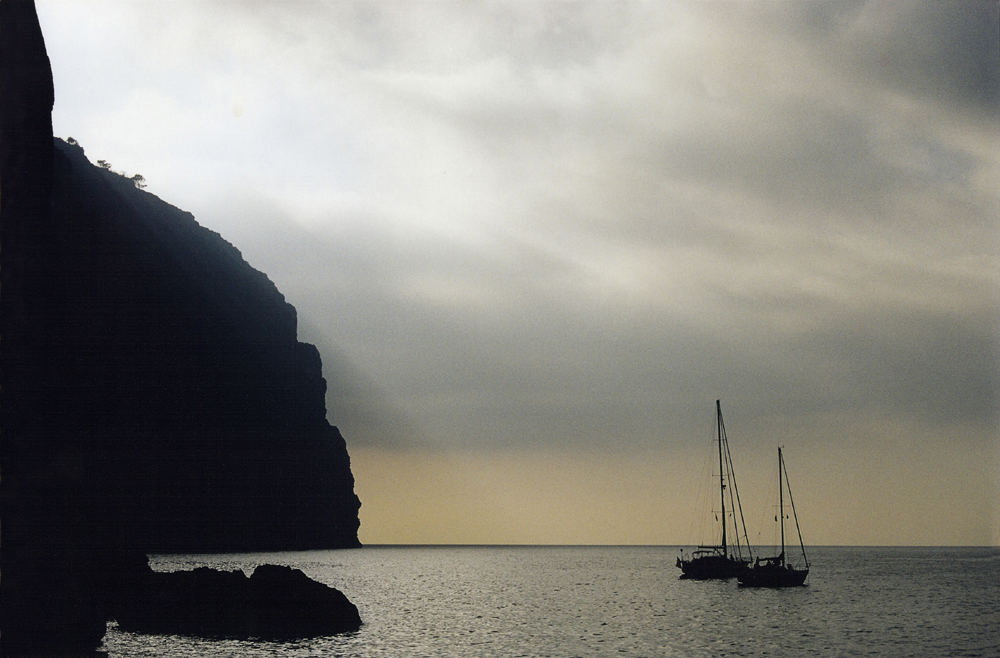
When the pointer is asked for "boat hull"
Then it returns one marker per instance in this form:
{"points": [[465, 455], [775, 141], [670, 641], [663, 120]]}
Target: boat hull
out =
{"points": [[711, 567], [772, 576]]}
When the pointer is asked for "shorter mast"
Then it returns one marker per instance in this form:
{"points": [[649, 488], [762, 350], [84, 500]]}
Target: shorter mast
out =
{"points": [[802, 544], [781, 507]]}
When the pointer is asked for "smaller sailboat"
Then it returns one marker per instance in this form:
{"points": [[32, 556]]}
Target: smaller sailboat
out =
{"points": [[776, 571], [724, 560]]}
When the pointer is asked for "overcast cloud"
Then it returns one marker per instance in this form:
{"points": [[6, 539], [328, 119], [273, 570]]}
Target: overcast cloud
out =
{"points": [[525, 224]]}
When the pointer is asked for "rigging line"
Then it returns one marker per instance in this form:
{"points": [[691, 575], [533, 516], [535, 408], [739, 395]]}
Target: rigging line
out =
{"points": [[739, 504], [699, 527], [725, 478], [802, 544], [775, 537], [722, 480], [733, 500], [736, 490]]}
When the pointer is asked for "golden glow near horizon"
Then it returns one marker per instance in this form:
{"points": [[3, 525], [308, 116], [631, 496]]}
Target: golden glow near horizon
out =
{"points": [[944, 497]]}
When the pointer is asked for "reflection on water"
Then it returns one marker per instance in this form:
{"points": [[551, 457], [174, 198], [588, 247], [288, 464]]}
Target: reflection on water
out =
{"points": [[596, 601]]}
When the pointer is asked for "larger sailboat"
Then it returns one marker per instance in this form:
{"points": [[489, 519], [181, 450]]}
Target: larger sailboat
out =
{"points": [[726, 559], [777, 571]]}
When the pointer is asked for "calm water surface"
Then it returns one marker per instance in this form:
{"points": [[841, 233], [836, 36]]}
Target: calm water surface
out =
{"points": [[605, 601]]}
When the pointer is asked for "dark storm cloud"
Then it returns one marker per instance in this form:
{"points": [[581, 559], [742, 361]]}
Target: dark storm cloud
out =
{"points": [[948, 52], [580, 223]]}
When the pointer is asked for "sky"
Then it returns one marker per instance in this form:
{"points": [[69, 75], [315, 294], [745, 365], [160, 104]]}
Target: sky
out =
{"points": [[534, 243]]}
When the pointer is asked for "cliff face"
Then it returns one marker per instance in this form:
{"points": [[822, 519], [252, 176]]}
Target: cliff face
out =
{"points": [[181, 379], [155, 397]]}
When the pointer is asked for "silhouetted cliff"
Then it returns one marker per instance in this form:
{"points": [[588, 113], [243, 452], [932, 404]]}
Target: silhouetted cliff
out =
{"points": [[155, 397], [181, 377]]}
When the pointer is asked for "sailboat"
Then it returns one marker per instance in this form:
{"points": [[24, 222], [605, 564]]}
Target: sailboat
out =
{"points": [[776, 571], [724, 560]]}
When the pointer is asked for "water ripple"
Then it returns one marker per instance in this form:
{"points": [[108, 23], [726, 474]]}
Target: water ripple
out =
{"points": [[599, 601]]}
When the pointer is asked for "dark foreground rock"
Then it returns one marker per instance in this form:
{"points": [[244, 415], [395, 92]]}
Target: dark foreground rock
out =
{"points": [[154, 395], [274, 603]]}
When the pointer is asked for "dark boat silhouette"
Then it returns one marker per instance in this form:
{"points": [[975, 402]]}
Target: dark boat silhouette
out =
{"points": [[724, 560], [776, 571]]}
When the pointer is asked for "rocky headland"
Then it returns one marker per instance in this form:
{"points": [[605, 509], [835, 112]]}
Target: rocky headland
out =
{"points": [[273, 603], [155, 395]]}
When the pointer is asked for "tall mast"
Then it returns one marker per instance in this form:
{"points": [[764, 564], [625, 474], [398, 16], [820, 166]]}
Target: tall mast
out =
{"points": [[722, 482], [781, 508]]}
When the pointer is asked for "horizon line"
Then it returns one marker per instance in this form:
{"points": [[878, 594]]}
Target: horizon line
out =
{"points": [[598, 545]]}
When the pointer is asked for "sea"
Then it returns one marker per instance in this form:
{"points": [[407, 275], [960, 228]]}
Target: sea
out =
{"points": [[621, 601]]}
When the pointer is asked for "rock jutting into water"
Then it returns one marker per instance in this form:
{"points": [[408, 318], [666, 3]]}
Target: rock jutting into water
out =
{"points": [[274, 603], [155, 395]]}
